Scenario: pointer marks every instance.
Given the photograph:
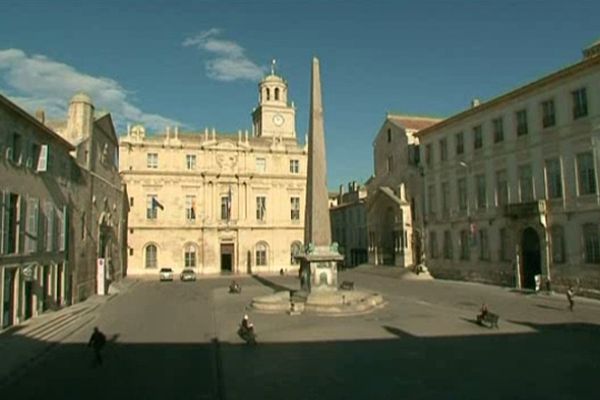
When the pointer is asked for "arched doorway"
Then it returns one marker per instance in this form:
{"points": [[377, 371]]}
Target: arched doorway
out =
{"points": [[532, 261], [388, 236]]}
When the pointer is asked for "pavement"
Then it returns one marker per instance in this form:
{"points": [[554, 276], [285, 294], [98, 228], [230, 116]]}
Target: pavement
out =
{"points": [[25, 344], [178, 340]]}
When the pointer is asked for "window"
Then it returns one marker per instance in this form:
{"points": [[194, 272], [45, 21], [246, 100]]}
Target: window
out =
{"points": [[428, 154], [484, 248], [553, 179], [443, 149], [521, 117], [15, 148], [34, 155], [390, 164], [501, 188], [32, 232], [295, 166], [464, 245], [190, 162], [50, 226], [481, 195], [558, 244], [190, 256], [462, 193], [389, 135], [498, 126], [445, 199], [506, 250], [225, 208], [276, 93], [151, 257], [586, 174], [83, 226], [548, 114], [261, 254], [525, 183], [432, 200], [152, 160], [433, 245], [592, 245], [190, 208], [131, 202], [448, 245], [295, 249], [460, 143], [268, 94], [261, 164], [295, 208], [261, 207], [477, 137], [151, 208], [580, 108]]}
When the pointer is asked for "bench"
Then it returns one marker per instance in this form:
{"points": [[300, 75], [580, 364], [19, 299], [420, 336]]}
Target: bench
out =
{"points": [[489, 318], [347, 285]]}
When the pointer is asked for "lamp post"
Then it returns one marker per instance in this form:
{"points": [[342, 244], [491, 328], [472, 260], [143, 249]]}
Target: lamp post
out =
{"points": [[467, 167]]}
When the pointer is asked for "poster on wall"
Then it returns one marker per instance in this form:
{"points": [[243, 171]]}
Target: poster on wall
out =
{"points": [[100, 277]]}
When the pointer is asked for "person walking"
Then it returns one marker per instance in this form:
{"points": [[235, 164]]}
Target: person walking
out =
{"points": [[570, 297], [97, 342]]}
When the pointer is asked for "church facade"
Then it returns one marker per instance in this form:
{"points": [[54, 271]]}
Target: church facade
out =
{"points": [[218, 202]]}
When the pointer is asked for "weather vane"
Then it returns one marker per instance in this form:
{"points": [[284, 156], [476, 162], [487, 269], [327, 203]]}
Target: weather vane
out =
{"points": [[273, 62]]}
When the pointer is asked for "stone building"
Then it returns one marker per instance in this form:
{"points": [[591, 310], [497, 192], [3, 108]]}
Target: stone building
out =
{"points": [[511, 184], [393, 191], [349, 224], [218, 202], [61, 208]]}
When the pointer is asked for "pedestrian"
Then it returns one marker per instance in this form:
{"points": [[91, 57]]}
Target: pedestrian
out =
{"points": [[97, 342], [570, 296]]}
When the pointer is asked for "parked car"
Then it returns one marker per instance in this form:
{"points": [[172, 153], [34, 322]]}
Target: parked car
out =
{"points": [[166, 274], [188, 274]]}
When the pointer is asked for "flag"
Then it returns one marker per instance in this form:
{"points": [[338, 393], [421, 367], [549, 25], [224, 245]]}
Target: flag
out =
{"points": [[155, 204], [193, 210], [229, 200]]}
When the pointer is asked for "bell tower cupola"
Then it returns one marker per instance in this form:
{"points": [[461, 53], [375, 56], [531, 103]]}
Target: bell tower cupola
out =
{"points": [[274, 117]]}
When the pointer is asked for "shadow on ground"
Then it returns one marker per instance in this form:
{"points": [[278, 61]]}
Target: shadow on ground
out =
{"points": [[553, 362]]}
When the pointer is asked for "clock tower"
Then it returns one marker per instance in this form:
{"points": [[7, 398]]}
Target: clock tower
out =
{"points": [[274, 117]]}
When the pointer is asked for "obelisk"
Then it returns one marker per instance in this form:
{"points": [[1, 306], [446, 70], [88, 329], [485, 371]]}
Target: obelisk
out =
{"points": [[319, 261]]}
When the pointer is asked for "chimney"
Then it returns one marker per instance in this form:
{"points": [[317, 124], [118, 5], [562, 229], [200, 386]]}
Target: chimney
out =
{"points": [[168, 132], [40, 115], [176, 132], [128, 129], [206, 134], [475, 102]]}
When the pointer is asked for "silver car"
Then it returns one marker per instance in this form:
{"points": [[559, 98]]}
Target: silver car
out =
{"points": [[188, 274], [166, 274]]}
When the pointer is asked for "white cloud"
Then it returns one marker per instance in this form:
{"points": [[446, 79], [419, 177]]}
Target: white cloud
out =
{"points": [[35, 81], [228, 62]]}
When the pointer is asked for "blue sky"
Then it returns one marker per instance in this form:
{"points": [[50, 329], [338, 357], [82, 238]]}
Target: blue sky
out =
{"points": [[197, 63]]}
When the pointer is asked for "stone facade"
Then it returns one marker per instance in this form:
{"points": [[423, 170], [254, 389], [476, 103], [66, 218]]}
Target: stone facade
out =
{"points": [[393, 191], [511, 185], [62, 208], [349, 224], [218, 202]]}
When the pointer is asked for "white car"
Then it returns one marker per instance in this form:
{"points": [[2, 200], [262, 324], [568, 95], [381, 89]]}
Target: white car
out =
{"points": [[166, 274], [188, 274]]}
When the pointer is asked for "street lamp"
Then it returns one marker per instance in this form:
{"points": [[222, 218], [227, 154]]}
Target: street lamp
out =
{"points": [[471, 231]]}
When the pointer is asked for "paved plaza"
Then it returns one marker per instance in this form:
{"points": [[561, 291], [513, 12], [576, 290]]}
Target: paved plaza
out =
{"points": [[178, 340]]}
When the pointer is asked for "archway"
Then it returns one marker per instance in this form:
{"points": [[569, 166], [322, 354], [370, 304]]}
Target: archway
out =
{"points": [[532, 261]]}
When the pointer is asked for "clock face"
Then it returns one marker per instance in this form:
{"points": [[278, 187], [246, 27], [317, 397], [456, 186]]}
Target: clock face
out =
{"points": [[278, 119]]}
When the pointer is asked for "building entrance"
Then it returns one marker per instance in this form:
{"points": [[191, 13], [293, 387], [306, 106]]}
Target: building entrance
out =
{"points": [[227, 257], [28, 311], [8, 300], [532, 262]]}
